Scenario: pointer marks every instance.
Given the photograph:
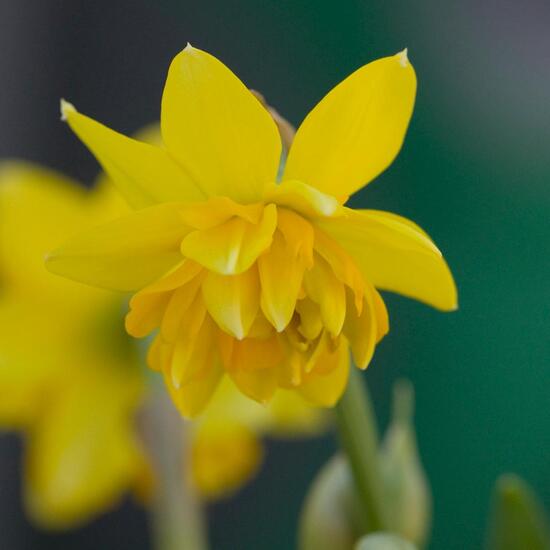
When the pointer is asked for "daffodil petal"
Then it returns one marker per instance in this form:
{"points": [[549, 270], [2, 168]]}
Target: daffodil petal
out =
{"points": [[233, 300], [278, 300], [311, 323], [75, 442], [146, 313], [233, 246], [261, 327], [125, 254], [241, 451], [256, 354], [216, 129], [298, 233], [361, 330], [392, 255], [159, 354], [156, 305], [192, 397], [181, 311], [144, 174], [304, 199], [324, 389], [381, 312], [180, 275], [258, 384], [328, 292], [356, 130], [342, 266], [217, 210], [193, 350], [25, 370], [38, 209]]}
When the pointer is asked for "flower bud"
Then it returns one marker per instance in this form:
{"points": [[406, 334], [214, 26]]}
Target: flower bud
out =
{"points": [[383, 541], [327, 518], [407, 490], [518, 521]]}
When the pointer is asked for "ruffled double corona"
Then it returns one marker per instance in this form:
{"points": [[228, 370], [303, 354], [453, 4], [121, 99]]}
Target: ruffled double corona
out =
{"points": [[238, 272]]}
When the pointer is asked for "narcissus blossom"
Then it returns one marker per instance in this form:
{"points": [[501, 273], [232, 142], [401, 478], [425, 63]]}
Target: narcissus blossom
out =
{"points": [[70, 376], [269, 280]]}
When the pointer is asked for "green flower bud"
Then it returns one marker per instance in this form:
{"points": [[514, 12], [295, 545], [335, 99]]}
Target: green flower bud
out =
{"points": [[518, 520], [327, 518], [384, 541], [407, 490]]}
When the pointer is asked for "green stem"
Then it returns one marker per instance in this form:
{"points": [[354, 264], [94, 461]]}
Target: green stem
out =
{"points": [[359, 438], [176, 514]]}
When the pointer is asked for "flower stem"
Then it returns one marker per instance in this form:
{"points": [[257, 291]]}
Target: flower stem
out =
{"points": [[359, 439], [176, 514]]}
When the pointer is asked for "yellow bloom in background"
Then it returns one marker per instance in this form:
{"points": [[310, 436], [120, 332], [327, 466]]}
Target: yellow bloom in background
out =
{"points": [[67, 369], [226, 448], [268, 281], [70, 377]]}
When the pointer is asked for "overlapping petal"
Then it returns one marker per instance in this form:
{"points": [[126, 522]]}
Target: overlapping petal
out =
{"points": [[148, 306], [323, 287], [393, 255], [233, 246], [302, 198], [192, 397], [325, 385], [356, 130], [286, 261], [217, 130], [233, 300], [125, 254], [144, 174], [193, 352], [363, 330], [259, 385]]}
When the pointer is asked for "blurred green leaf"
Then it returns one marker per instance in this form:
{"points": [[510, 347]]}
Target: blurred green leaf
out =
{"points": [[384, 541], [518, 520]]}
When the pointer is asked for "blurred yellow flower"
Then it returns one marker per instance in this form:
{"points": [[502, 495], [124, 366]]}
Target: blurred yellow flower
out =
{"points": [[226, 449], [267, 281], [70, 378], [67, 370]]}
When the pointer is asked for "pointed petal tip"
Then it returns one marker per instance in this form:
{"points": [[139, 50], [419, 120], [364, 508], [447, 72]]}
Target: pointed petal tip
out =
{"points": [[66, 108], [48, 257], [450, 307], [176, 381], [278, 322], [403, 57]]}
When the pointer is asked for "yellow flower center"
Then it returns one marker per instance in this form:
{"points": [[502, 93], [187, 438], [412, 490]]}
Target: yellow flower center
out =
{"points": [[261, 293]]}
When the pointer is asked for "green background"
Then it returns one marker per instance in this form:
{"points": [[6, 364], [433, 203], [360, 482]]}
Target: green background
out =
{"points": [[474, 172]]}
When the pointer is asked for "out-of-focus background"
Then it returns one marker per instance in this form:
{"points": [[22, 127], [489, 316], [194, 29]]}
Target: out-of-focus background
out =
{"points": [[474, 172]]}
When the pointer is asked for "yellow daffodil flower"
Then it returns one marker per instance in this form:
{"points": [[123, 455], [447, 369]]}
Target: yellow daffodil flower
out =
{"points": [[67, 370], [268, 281], [70, 378]]}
